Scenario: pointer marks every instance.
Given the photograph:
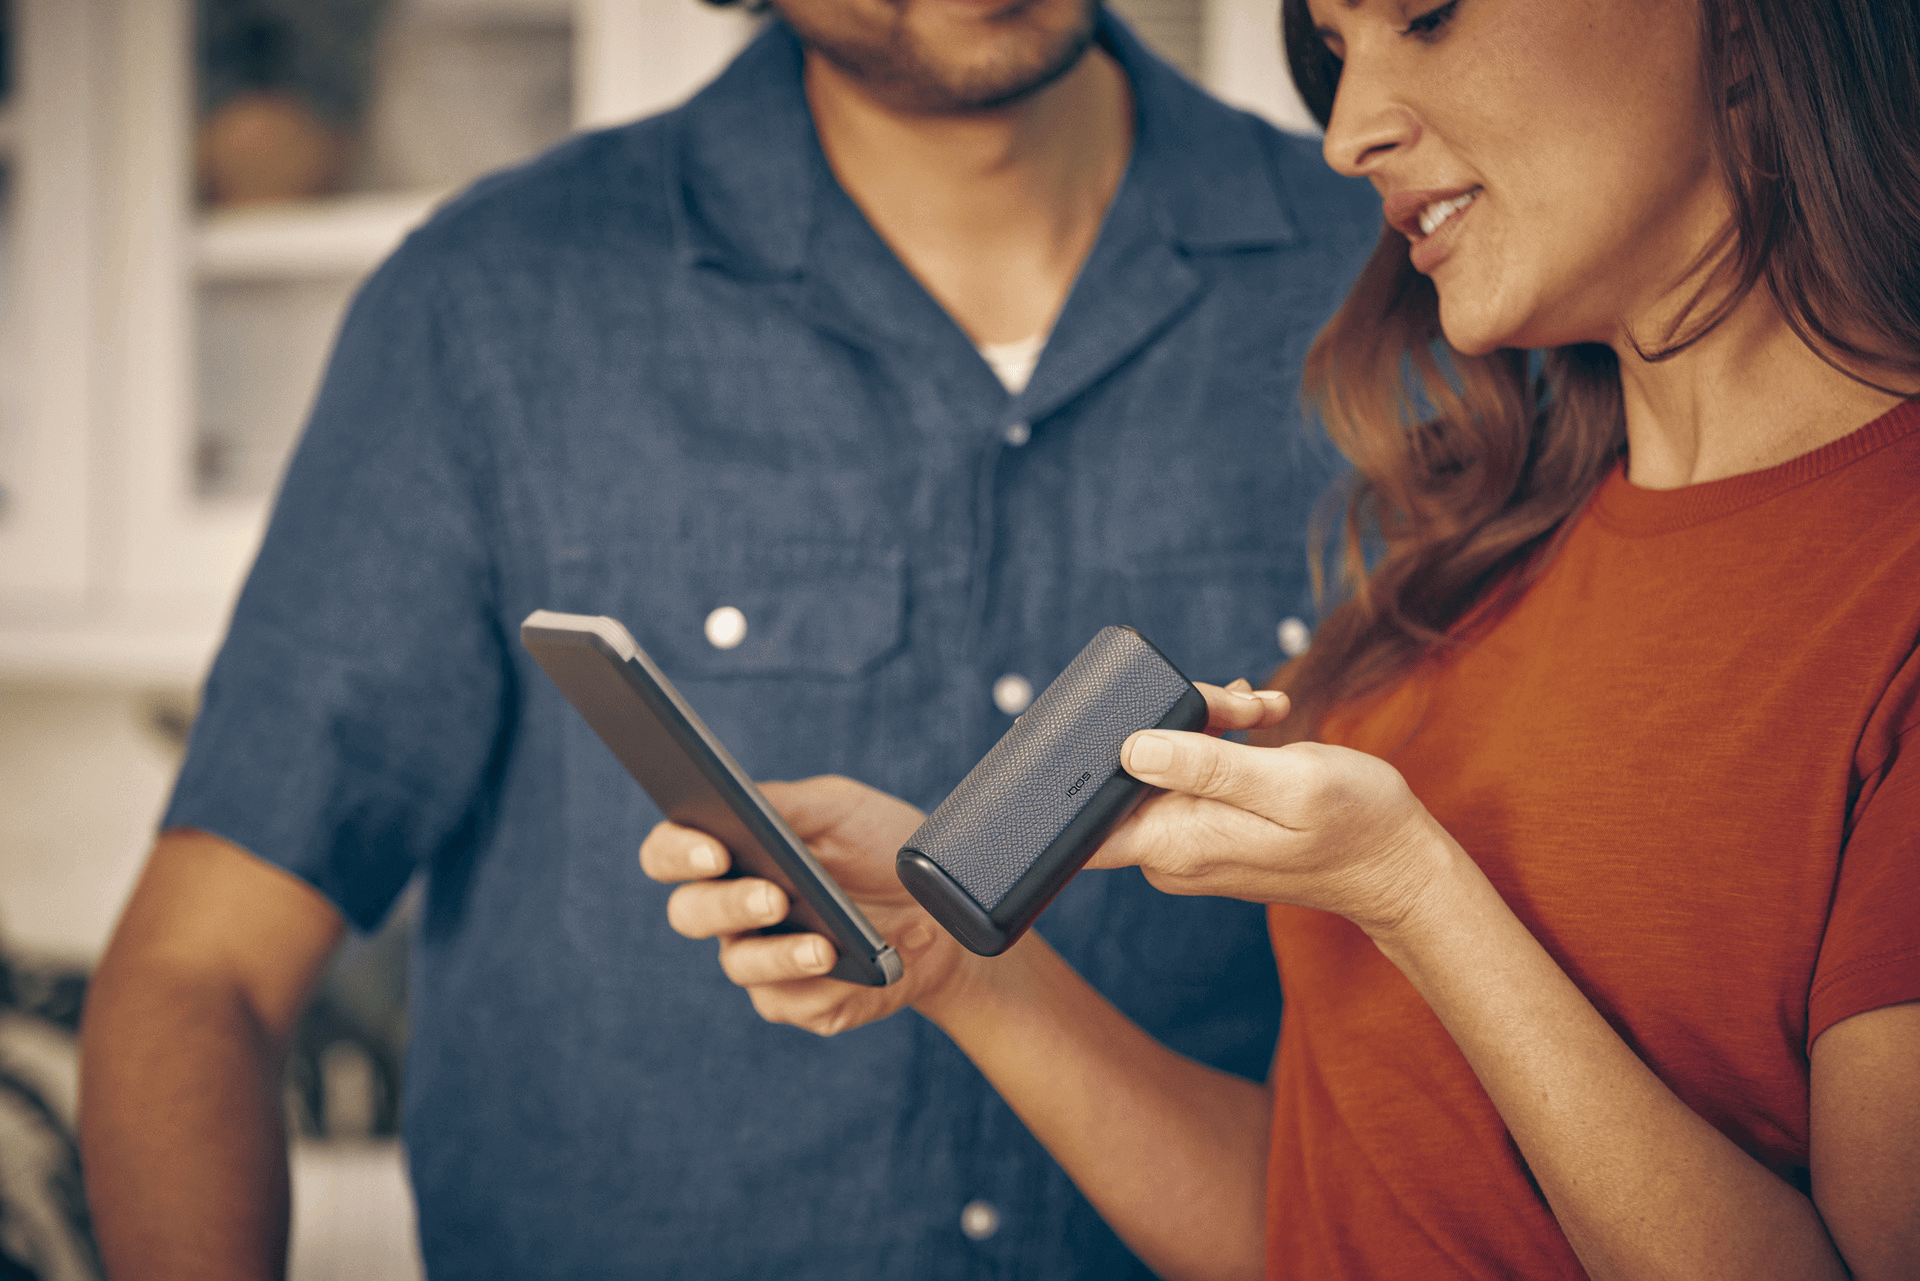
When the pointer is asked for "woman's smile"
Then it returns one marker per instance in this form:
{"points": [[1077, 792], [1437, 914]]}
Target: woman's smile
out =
{"points": [[1423, 216]]}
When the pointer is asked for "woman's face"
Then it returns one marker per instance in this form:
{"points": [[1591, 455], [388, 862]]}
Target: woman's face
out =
{"points": [[1556, 150]]}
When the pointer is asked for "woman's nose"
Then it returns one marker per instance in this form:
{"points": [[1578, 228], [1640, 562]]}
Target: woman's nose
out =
{"points": [[1368, 124]]}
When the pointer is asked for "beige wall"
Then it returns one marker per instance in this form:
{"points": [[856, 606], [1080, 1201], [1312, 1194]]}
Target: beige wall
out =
{"points": [[84, 774]]}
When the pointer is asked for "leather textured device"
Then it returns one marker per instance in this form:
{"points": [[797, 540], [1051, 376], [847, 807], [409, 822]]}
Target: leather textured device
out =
{"points": [[1032, 812]]}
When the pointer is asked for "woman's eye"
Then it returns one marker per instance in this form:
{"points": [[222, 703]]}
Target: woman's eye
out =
{"points": [[1428, 24]]}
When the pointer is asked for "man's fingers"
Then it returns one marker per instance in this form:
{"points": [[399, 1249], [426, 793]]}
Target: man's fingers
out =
{"points": [[672, 853], [715, 909], [775, 958]]}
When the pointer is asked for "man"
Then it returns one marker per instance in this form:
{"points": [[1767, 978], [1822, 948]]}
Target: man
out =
{"points": [[720, 374]]}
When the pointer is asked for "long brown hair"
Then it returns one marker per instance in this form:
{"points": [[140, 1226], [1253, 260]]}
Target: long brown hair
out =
{"points": [[1467, 469]]}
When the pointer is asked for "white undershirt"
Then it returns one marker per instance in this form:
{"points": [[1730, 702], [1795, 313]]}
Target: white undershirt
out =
{"points": [[1013, 362]]}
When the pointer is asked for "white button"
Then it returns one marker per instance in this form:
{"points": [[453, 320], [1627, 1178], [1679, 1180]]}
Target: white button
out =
{"points": [[1017, 434], [1012, 693], [726, 627], [979, 1220], [1294, 637]]}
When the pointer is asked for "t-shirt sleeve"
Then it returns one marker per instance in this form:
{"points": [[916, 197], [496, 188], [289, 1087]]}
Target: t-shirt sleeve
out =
{"points": [[348, 722], [1870, 956]]}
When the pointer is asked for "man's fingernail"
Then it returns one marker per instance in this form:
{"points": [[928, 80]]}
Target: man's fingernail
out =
{"points": [[1244, 695], [811, 954], [1268, 695], [1151, 753], [916, 936], [1240, 685], [764, 902], [706, 859]]}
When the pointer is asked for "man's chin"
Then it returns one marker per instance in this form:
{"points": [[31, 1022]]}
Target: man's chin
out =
{"points": [[966, 65], [995, 89]]}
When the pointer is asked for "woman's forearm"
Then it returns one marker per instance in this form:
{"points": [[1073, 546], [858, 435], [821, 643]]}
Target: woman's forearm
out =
{"points": [[1171, 1152], [1640, 1183]]}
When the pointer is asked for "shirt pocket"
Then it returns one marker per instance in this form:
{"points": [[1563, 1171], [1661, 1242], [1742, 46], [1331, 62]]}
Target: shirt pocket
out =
{"points": [[778, 611], [1221, 615]]}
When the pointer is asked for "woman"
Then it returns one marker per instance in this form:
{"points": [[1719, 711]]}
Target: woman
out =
{"points": [[1597, 899]]}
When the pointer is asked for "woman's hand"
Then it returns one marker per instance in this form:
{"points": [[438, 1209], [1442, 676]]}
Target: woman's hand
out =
{"points": [[855, 832], [1308, 824]]}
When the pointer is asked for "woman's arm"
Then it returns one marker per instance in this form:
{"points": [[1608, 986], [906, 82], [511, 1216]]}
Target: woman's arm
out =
{"points": [[1642, 1186]]}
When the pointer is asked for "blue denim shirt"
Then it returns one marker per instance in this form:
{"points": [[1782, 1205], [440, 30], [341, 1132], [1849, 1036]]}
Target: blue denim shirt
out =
{"points": [[668, 368]]}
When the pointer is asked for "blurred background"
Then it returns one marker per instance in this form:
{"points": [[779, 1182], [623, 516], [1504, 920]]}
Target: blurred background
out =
{"points": [[189, 194]]}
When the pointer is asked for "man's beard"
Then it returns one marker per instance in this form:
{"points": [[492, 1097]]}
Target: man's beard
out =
{"points": [[903, 68]]}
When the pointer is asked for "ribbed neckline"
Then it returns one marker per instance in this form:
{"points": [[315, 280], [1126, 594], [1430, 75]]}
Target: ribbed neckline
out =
{"points": [[1624, 508]]}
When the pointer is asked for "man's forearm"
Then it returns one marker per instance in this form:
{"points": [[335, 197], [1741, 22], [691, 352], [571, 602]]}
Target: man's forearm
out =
{"points": [[182, 1130]]}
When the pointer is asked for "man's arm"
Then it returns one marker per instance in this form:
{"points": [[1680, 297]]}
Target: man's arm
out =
{"points": [[185, 1037]]}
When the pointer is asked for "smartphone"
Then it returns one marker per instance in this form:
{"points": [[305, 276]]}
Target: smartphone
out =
{"points": [[660, 739]]}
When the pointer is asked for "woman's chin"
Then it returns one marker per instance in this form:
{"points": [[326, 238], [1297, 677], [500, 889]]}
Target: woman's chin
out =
{"points": [[1472, 336], [1478, 326]]}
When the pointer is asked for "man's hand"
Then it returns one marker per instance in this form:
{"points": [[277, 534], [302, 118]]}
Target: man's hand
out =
{"points": [[855, 832]]}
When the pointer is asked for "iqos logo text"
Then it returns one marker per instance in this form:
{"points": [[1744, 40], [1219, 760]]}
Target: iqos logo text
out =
{"points": [[1079, 783]]}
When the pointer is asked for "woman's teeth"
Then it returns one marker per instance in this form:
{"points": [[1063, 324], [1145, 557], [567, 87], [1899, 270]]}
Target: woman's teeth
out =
{"points": [[1440, 210]]}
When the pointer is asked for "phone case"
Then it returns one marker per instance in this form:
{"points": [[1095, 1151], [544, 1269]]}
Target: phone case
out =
{"points": [[1026, 818], [695, 781]]}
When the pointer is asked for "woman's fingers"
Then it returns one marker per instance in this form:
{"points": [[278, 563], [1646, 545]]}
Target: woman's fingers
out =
{"points": [[673, 853], [1201, 765], [1239, 706], [716, 909]]}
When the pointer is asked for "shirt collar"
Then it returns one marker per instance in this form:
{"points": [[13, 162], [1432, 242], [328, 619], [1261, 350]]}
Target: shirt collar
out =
{"points": [[748, 162]]}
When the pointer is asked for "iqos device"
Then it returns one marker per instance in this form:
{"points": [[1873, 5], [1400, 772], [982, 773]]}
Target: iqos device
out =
{"points": [[1032, 812]]}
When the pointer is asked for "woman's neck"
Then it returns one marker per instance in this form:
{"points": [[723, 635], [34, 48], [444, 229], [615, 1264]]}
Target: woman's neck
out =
{"points": [[1748, 396]]}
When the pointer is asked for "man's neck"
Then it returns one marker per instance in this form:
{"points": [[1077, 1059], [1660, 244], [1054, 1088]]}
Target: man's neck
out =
{"points": [[993, 212]]}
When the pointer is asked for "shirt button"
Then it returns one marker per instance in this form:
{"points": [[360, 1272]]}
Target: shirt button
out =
{"points": [[726, 627], [979, 1220], [1294, 637], [1011, 694], [1017, 434]]}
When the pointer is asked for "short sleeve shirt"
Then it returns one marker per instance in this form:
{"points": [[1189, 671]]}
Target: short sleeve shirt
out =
{"points": [[669, 369]]}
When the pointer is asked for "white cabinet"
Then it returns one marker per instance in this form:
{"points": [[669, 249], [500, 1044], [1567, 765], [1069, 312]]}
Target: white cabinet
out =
{"points": [[156, 359], [49, 227]]}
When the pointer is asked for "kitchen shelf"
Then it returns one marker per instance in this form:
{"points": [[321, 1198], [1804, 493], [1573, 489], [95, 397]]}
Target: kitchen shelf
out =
{"points": [[338, 236]]}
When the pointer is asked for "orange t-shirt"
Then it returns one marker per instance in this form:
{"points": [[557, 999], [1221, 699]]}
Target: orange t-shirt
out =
{"points": [[1679, 759]]}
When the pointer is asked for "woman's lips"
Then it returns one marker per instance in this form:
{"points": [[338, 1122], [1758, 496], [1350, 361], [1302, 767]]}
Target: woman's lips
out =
{"points": [[1429, 219]]}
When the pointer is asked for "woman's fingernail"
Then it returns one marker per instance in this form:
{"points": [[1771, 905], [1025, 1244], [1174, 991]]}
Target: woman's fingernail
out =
{"points": [[1239, 685], [916, 936], [811, 954], [1151, 753], [765, 900], [1268, 695], [706, 859]]}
